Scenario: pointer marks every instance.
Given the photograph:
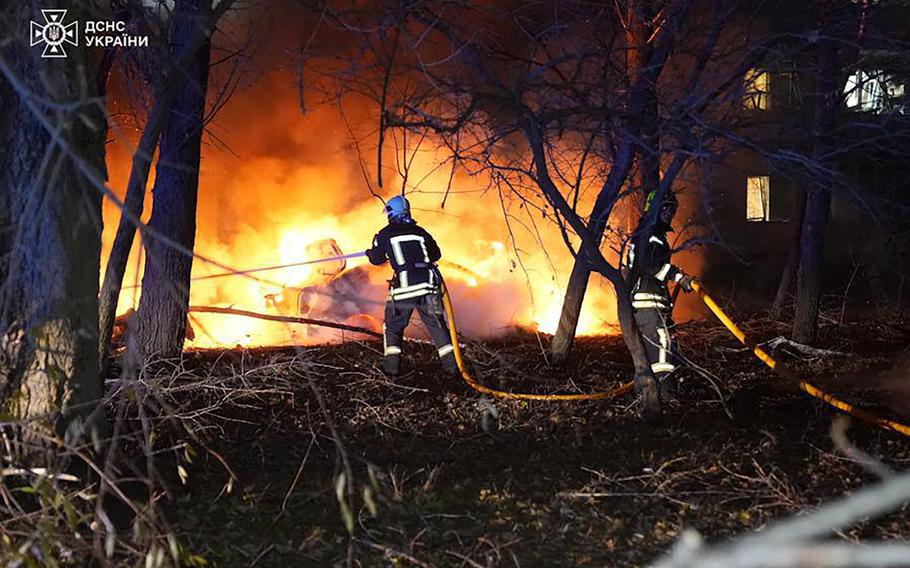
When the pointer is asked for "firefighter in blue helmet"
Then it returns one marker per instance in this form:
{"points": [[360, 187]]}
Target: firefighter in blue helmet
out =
{"points": [[413, 254], [650, 271]]}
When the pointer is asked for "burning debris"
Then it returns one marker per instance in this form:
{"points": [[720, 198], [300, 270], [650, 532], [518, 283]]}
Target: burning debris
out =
{"points": [[347, 295], [334, 293]]}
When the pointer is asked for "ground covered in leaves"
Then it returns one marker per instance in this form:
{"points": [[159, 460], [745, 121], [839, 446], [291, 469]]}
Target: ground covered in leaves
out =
{"points": [[310, 457]]}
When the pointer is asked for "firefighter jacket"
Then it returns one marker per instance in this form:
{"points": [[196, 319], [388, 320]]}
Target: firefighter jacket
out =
{"points": [[650, 269], [412, 251]]}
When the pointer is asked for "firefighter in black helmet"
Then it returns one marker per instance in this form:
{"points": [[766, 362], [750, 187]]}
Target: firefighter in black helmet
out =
{"points": [[413, 253], [650, 271]]}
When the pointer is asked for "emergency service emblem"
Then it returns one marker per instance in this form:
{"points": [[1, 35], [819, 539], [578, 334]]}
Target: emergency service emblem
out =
{"points": [[53, 33]]}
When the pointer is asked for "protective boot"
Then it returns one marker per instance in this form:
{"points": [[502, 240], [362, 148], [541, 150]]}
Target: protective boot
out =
{"points": [[649, 391], [449, 364], [391, 365]]}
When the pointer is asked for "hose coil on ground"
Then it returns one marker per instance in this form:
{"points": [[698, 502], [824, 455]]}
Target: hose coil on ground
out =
{"points": [[453, 332]]}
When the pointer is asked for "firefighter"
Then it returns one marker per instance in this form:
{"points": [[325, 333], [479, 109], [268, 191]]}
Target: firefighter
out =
{"points": [[650, 271], [413, 254]]}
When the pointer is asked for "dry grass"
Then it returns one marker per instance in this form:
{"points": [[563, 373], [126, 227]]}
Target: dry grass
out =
{"points": [[276, 457]]}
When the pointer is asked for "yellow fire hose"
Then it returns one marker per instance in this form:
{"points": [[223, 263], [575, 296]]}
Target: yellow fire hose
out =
{"points": [[763, 355], [453, 331], [810, 389]]}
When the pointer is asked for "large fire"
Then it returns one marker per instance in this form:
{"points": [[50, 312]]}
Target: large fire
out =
{"points": [[276, 182]]}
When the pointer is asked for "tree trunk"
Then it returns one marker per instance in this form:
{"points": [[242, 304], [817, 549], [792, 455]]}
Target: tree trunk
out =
{"points": [[818, 199], [571, 311], [640, 21], [805, 320], [49, 295], [792, 265], [126, 231], [639, 15], [165, 284], [581, 270], [135, 192]]}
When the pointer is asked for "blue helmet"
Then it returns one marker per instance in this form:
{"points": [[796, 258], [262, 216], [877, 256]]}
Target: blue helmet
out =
{"points": [[398, 209]]}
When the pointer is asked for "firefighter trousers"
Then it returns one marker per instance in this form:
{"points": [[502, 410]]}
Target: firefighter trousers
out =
{"points": [[398, 315], [656, 326]]}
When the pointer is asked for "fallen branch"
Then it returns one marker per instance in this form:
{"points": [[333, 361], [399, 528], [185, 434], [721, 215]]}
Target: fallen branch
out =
{"points": [[793, 541], [286, 319], [803, 349], [784, 343], [393, 554]]}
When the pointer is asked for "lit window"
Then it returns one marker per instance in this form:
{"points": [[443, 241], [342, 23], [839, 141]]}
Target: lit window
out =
{"points": [[873, 91], [758, 194], [758, 90]]}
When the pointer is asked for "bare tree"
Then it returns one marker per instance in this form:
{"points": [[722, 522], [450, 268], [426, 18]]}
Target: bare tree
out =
{"points": [[639, 18], [545, 104], [163, 306], [814, 220], [165, 76]]}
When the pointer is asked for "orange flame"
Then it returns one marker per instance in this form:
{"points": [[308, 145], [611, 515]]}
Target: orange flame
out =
{"points": [[291, 180]]}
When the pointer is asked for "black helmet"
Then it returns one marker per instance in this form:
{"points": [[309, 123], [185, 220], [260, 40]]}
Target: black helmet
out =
{"points": [[669, 202], [667, 208]]}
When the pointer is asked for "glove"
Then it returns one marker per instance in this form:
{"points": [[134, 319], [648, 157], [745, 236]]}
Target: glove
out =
{"points": [[686, 282]]}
